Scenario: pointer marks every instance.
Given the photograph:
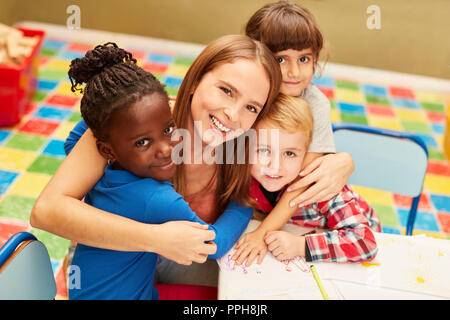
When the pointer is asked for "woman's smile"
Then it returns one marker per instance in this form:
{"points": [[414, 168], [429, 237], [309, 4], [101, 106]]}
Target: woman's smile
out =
{"points": [[219, 125]]}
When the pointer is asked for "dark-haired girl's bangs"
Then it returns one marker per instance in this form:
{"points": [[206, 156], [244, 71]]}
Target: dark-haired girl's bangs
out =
{"points": [[288, 33]]}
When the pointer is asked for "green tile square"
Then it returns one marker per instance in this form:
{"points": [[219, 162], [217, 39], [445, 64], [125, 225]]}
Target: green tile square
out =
{"points": [[158, 76], [49, 52], [388, 216], [186, 61], [53, 74], [75, 117], [172, 91], [435, 154], [377, 100], [16, 207], [45, 164], [416, 126], [25, 142], [332, 104], [436, 107], [354, 118], [39, 96], [56, 246], [347, 85]]}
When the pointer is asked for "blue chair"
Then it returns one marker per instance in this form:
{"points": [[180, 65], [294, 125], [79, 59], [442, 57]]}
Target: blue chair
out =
{"points": [[25, 269], [385, 159]]}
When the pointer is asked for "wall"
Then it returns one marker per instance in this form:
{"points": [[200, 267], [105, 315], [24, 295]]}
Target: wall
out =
{"points": [[413, 37]]}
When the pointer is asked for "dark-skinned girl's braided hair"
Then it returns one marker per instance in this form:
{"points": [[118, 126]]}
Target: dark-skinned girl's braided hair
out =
{"points": [[113, 81]]}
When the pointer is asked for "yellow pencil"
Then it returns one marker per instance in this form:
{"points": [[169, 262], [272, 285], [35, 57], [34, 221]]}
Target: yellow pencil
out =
{"points": [[319, 283]]}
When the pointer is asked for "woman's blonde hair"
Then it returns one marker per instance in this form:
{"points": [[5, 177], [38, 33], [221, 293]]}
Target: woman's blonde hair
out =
{"points": [[291, 114], [233, 179]]}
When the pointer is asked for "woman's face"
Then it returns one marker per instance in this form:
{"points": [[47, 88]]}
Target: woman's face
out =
{"points": [[228, 99]]}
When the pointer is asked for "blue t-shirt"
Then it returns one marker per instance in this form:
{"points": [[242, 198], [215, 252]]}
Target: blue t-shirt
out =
{"points": [[109, 274]]}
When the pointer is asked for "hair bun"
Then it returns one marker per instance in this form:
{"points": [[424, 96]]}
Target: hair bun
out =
{"points": [[95, 61]]}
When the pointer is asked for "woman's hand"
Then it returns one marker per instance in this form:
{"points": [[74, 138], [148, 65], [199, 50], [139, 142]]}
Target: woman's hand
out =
{"points": [[249, 246], [325, 176], [185, 242], [285, 245]]}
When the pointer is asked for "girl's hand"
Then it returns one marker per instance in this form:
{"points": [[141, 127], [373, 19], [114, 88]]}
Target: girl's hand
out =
{"points": [[326, 177], [285, 245], [185, 242], [249, 246]]}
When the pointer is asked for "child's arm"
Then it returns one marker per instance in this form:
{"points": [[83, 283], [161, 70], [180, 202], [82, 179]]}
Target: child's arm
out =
{"points": [[169, 206], [351, 238]]}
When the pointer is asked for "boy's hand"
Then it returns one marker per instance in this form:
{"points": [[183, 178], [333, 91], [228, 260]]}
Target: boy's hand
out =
{"points": [[325, 177], [249, 246], [285, 245]]}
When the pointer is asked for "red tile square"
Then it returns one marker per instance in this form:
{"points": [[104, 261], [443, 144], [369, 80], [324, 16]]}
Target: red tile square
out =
{"points": [[444, 221], [43, 60], [436, 117], [63, 101], [385, 111], [405, 202], [80, 47], [438, 167], [400, 92], [39, 126], [155, 67], [137, 54], [328, 92], [8, 229], [61, 284]]}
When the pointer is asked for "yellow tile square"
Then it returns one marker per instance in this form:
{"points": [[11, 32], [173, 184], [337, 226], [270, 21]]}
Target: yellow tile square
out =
{"points": [[384, 122], [30, 184], [374, 196], [177, 70], [411, 115], [59, 64], [334, 116], [16, 160], [352, 96], [65, 89], [431, 97], [437, 184], [63, 130]]}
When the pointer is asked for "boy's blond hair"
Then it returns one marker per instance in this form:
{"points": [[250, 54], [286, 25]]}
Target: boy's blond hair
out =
{"points": [[291, 114]]}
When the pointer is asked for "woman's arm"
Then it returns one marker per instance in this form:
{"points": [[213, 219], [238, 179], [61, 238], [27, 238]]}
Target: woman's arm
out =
{"points": [[59, 210], [168, 205]]}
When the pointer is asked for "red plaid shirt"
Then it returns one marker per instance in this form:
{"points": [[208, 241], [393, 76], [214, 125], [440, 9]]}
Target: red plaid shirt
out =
{"points": [[350, 220]]}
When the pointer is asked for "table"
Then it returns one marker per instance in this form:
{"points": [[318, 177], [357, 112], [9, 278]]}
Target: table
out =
{"points": [[406, 267]]}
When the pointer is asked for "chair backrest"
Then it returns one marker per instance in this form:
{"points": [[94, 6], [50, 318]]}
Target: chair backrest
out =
{"points": [[25, 270], [385, 159]]}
